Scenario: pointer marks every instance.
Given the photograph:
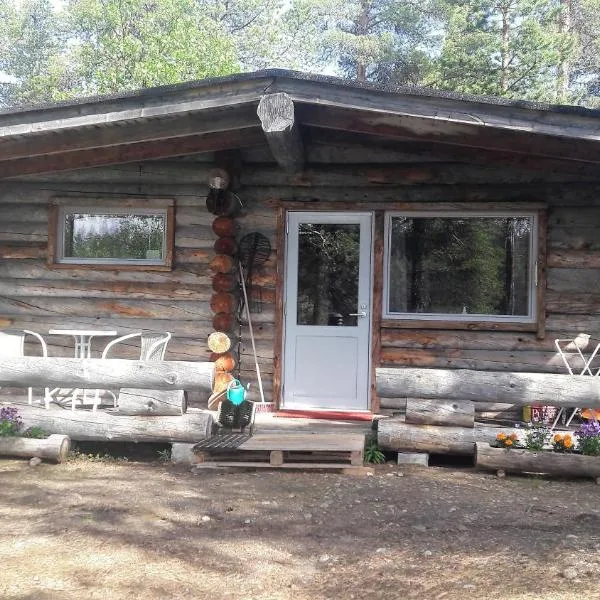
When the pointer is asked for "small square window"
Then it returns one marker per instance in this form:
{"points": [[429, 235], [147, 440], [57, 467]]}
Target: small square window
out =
{"points": [[112, 236], [461, 267]]}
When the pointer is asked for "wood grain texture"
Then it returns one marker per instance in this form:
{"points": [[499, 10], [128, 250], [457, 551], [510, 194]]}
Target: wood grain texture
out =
{"points": [[520, 389]]}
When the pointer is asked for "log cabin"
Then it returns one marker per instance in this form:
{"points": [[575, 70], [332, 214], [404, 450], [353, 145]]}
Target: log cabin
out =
{"points": [[410, 230]]}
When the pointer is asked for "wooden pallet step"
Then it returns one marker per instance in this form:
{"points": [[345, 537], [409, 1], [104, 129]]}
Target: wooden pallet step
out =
{"points": [[280, 457], [288, 449], [340, 468]]}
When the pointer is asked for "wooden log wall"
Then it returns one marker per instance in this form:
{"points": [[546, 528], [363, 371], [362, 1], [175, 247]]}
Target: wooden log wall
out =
{"points": [[179, 301]]}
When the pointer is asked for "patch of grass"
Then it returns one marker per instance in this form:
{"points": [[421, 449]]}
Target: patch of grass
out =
{"points": [[373, 455], [164, 455]]}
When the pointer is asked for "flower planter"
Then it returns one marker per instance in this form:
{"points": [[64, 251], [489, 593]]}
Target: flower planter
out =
{"points": [[527, 461], [55, 447]]}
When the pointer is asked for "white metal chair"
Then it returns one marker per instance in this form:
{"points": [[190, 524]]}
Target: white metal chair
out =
{"points": [[12, 344], [153, 346], [570, 351]]}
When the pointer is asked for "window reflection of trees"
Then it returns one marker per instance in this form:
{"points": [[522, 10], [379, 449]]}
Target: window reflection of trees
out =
{"points": [[328, 263], [454, 265], [112, 236]]}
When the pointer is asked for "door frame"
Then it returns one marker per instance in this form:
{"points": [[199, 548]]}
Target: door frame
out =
{"points": [[376, 257]]}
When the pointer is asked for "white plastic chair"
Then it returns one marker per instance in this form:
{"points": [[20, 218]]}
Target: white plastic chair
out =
{"points": [[12, 344], [153, 346]]}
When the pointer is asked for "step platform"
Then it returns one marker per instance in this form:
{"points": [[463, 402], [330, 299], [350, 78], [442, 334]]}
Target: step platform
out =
{"points": [[282, 451]]}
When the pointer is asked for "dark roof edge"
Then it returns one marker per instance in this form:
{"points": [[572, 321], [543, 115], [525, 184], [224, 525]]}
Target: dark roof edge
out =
{"points": [[314, 78]]}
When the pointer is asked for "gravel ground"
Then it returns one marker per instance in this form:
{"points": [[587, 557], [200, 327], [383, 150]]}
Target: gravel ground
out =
{"points": [[127, 530]]}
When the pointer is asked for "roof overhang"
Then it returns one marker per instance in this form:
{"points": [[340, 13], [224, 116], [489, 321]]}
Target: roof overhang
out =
{"points": [[221, 114]]}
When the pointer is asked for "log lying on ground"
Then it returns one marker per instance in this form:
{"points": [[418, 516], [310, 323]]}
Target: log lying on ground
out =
{"points": [[485, 386], [96, 373], [99, 426], [55, 447], [526, 461], [136, 401], [395, 434], [424, 411]]}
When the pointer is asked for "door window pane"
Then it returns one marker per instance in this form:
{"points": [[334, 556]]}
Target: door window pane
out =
{"points": [[460, 265], [328, 263]]}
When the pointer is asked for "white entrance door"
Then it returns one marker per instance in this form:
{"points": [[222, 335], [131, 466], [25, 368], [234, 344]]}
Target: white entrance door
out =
{"points": [[327, 311]]}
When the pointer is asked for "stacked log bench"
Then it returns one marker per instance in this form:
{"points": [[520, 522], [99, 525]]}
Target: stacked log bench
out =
{"points": [[440, 415], [152, 404]]}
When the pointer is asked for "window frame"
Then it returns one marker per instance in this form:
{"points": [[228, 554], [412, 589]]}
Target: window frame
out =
{"points": [[155, 206], [531, 321]]}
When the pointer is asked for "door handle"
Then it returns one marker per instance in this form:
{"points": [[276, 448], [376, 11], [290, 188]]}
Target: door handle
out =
{"points": [[361, 314]]}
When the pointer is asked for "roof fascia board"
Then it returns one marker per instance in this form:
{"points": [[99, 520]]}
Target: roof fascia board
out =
{"points": [[109, 112], [460, 111]]}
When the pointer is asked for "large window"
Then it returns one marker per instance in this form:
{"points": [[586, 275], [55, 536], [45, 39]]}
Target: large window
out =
{"points": [[461, 266], [113, 236]]}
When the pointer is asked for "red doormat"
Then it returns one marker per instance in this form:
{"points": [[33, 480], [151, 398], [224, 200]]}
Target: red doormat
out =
{"points": [[330, 415]]}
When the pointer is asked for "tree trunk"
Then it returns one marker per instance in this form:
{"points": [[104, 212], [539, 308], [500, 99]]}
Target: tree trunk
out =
{"points": [[526, 461], [134, 401], [395, 434], [423, 411], [519, 389], [55, 447], [100, 426]]}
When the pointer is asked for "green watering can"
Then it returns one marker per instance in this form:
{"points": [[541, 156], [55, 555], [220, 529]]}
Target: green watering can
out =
{"points": [[236, 393]]}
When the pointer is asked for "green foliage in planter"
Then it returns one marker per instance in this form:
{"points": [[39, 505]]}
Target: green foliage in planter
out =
{"points": [[10, 421], [36, 433], [537, 437]]}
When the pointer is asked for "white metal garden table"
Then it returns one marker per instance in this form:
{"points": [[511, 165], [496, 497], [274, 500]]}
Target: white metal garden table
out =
{"points": [[83, 349]]}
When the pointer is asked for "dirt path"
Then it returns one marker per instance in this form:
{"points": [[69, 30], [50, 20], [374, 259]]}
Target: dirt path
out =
{"points": [[132, 530]]}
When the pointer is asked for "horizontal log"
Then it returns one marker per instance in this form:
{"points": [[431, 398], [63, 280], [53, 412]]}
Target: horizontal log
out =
{"points": [[575, 259], [574, 238], [97, 373], [55, 447], [356, 176], [572, 303], [98, 426], [520, 389], [526, 461], [465, 340], [480, 360], [395, 434], [31, 250], [37, 269], [424, 411], [133, 401], [482, 409], [574, 280], [67, 307], [125, 290]]}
